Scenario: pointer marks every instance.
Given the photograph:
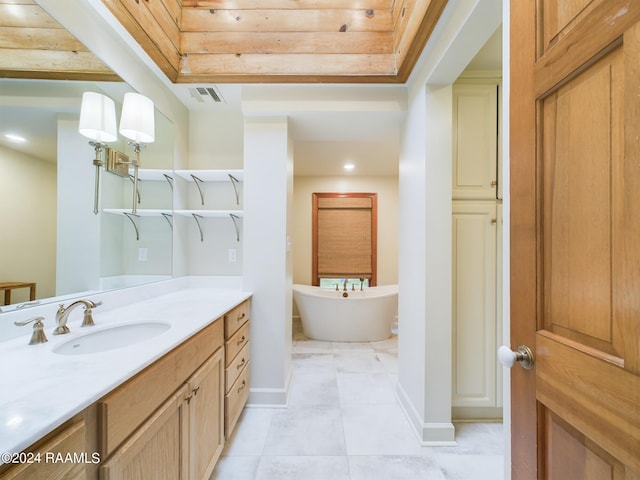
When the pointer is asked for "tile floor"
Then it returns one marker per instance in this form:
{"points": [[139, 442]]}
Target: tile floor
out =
{"points": [[343, 423]]}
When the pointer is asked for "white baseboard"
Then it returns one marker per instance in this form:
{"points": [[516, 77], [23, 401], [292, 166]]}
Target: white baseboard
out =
{"points": [[271, 397], [429, 434]]}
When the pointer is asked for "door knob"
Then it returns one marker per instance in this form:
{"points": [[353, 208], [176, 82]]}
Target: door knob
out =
{"points": [[523, 355]]}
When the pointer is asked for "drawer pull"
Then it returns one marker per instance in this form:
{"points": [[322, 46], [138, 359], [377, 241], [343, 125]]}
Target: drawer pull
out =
{"points": [[188, 399], [241, 364], [244, 384], [241, 340], [195, 391], [242, 316]]}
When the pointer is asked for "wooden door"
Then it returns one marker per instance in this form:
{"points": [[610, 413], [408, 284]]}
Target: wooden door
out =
{"points": [[575, 238]]}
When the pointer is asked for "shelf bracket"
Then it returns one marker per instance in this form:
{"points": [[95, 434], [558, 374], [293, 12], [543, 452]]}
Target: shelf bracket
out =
{"points": [[130, 217], [198, 183], [196, 217], [235, 219], [234, 182], [168, 217], [169, 180]]}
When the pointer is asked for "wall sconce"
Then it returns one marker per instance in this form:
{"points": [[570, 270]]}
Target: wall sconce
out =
{"points": [[137, 123], [98, 122]]}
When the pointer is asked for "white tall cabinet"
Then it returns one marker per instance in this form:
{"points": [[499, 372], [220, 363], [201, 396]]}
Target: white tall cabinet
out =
{"points": [[476, 230]]}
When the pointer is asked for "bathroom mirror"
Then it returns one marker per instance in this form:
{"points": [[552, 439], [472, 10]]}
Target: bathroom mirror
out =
{"points": [[50, 235]]}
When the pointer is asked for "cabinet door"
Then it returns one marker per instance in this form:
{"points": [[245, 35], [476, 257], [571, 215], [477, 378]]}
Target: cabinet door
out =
{"points": [[157, 448], [69, 441], [206, 416], [475, 140], [474, 305]]}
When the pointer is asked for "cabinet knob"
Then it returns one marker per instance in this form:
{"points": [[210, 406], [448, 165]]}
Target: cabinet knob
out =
{"points": [[241, 364], [195, 391], [241, 340], [494, 183], [244, 384]]}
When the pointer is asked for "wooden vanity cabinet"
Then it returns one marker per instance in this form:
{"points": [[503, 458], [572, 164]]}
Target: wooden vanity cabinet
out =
{"points": [[147, 433], [237, 349], [43, 463], [183, 439], [167, 422]]}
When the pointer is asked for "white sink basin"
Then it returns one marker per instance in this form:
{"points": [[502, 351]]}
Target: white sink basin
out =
{"points": [[111, 338]]}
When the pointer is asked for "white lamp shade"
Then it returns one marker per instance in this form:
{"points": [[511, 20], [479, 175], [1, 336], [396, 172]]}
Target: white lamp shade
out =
{"points": [[98, 117], [137, 122]]}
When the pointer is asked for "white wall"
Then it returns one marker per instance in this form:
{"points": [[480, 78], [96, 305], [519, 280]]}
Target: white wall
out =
{"points": [[28, 208], [424, 269], [387, 190], [268, 267], [216, 139], [78, 228]]}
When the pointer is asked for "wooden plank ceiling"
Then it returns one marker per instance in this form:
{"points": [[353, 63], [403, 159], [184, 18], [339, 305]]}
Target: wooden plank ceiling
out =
{"points": [[243, 41], [34, 45]]}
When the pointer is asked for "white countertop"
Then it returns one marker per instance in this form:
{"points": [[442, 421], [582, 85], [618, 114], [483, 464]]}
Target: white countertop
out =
{"points": [[41, 389]]}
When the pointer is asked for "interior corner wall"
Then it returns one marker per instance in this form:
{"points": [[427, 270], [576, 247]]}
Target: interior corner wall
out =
{"points": [[424, 264], [267, 268], [424, 307]]}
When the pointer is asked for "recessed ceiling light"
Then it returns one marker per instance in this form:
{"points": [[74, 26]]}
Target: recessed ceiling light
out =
{"points": [[15, 138], [349, 166]]}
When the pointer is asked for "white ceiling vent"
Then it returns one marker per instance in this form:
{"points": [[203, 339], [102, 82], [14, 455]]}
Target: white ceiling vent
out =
{"points": [[206, 95]]}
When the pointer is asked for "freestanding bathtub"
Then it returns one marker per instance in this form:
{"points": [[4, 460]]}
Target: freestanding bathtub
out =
{"points": [[361, 316]]}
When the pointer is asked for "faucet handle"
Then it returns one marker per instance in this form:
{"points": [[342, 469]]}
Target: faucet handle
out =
{"points": [[38, 335], [87, 320]]}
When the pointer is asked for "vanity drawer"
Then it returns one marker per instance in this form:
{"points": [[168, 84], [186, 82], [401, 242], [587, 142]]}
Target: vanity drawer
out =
{"points": [[235, 318], [235, 400], [234, 369], [128, 406], [236, 343]]}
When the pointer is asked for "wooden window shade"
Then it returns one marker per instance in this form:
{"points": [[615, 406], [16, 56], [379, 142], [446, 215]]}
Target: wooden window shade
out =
{"points": [[344, 236]]}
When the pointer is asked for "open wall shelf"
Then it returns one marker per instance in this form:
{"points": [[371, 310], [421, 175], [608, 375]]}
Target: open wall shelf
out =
{"points": [[148, 212], [202, 176], [197, 215]]}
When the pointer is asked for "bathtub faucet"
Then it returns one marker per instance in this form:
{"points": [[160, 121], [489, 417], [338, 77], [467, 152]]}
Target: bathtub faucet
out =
{"points": [[361, 283], [344, 287]]}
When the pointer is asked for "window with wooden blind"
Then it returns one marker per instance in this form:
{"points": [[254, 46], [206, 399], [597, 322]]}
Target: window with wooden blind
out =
{"points": [[344, 236]]}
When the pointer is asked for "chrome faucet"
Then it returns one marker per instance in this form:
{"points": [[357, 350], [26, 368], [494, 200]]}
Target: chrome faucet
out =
{"points": [[63, 314]]}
